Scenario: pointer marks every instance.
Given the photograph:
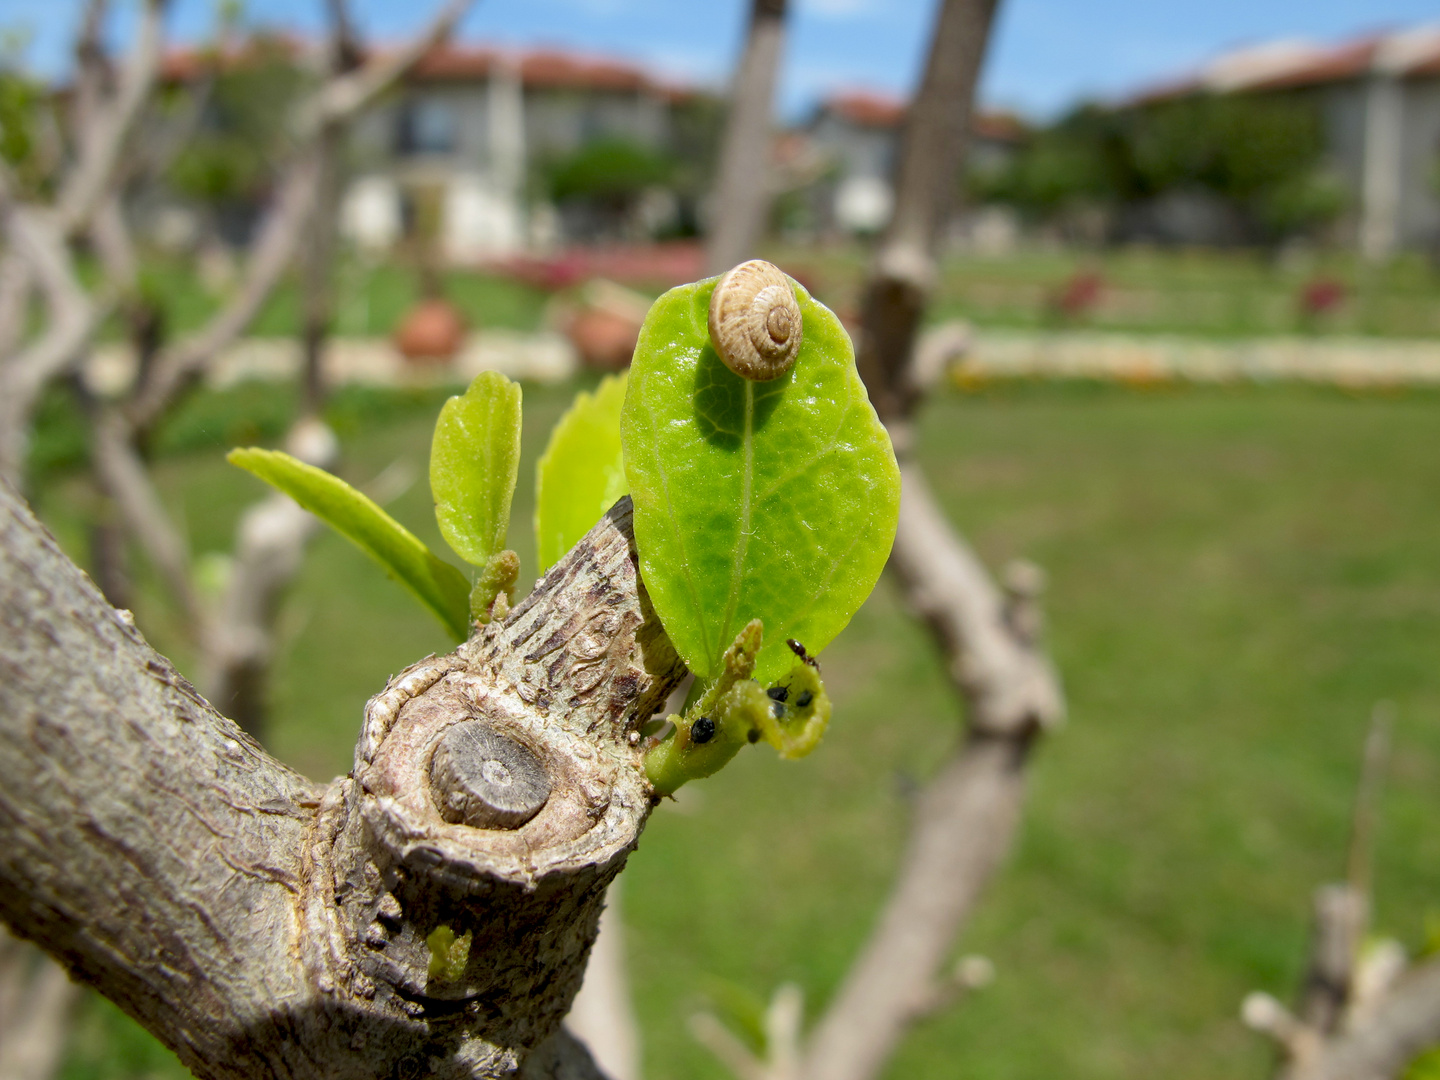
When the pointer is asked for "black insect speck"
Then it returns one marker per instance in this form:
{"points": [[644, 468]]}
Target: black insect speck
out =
{"points": [[777, 710], [778, 693], [703, 730], [754, 735], [804, 699]]}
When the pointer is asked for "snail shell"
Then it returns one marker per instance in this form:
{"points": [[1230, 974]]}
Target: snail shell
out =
{"points": [[755, 321]]}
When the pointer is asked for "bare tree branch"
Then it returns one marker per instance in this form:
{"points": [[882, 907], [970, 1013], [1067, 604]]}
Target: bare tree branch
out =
{"points": [[742, 191], [284, 225], [123, 477], [340, 99], [262, 926], [73, 318], [342, 55], [782, 1054], [936, 132], [1405, 1023], [15, 289], [279, 236], [603, 1016], [108, 128], [239, 640], [967, 816], [1361, 1015], [964, 826]]}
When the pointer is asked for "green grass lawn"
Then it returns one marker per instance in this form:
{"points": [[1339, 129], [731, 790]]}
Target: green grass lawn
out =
{"points": [[1237, 575], [370, 299]]}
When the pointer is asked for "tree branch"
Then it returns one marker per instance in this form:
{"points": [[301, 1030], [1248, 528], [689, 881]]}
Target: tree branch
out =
{"points": [[239, 641], [284, 224], [341, 98], [260, 925], [603, 1017], [73, 318], [107, 129], [742, 191], [1361, 1015], [15, 289], [1405, 1023], [967, 816], [936, 133], [122, 475]]}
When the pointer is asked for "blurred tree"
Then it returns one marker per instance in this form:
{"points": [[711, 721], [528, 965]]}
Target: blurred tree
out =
{"points": [[1260, 154], [23, 121]]}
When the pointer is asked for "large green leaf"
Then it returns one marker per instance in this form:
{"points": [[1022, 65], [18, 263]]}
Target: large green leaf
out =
{"points": [[474, 459], [434, 582], [582, 472], [770, 500]]}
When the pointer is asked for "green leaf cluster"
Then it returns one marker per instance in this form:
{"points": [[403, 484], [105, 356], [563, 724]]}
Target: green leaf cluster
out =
{"points": [[763, 512], [474, 458]]}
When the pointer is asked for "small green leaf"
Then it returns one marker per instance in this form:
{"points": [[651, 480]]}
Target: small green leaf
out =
{"points": [[771, 500], [448, 954], [474, 459], [582, 473], [434, 582]]}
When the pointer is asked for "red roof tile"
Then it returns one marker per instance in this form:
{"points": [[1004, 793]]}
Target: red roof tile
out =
{"points": [[551, 68], [868, 109]]}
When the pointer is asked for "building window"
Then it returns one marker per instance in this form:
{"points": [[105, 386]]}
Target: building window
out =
{"points": [[427, 126]]}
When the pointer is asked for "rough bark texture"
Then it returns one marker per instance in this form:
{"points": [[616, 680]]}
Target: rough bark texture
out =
{"points": [[742, 191], [261, 925]]}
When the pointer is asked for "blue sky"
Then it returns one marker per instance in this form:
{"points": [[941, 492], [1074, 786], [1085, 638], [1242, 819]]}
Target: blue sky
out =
{"points": [[1046, 54]]}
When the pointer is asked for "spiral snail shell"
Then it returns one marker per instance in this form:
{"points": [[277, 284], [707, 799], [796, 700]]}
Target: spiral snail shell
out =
{"points": [[755, 321]]}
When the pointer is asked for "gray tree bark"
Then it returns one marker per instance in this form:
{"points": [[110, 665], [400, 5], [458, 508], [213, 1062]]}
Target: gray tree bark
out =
{"points": [[260, 924]]}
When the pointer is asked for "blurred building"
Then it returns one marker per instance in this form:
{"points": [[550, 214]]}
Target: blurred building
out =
{"points": [[467, 151], [1379, 99], [479, 153], [857, 136]]}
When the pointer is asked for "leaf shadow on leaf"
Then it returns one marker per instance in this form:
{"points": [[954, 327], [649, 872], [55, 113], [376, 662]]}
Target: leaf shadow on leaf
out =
{"points": [[719, 400]]}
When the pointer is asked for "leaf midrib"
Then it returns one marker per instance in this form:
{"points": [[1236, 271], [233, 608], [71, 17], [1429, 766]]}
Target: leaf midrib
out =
{"points": [[747, 486]]}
